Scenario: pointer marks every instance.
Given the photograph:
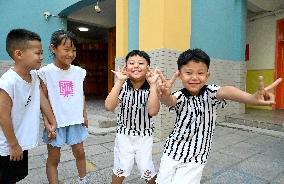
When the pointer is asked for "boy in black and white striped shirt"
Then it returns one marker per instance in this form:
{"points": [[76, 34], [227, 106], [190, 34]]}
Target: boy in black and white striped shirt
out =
{"points": [[136, 91], [187, 148]]}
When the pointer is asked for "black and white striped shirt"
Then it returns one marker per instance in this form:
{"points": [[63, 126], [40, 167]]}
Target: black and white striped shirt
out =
{"points": [[133, 118], [191, 138]]}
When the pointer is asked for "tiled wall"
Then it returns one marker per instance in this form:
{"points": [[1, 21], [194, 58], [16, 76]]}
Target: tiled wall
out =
{"points": [[221, 73]]}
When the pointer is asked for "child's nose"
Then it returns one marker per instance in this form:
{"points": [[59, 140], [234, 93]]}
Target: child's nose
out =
{"points": [[194, 76]]}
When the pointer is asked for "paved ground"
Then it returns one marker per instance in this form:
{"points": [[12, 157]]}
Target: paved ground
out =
{"points": [[239, 155]]}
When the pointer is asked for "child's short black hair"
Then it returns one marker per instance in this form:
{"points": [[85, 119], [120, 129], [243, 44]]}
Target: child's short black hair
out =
{"points": [[138, 53], [61, 36], [17, 39], [196, 55]]}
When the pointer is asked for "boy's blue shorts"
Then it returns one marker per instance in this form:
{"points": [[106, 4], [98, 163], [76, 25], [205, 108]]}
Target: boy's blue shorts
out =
{"points": [[70, 135]]}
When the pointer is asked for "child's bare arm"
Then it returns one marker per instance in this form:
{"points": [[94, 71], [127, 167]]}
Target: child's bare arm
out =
{"points": [[47, 113], [262, 97], [153, 100], [112, 98], [85, 114], [16, 152], [165, 89]]}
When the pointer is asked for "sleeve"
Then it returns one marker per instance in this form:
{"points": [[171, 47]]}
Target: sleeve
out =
{"points": [[122, 91], [180, 99], [84, 73], [41, 73], [7, 86], [212, 92]]}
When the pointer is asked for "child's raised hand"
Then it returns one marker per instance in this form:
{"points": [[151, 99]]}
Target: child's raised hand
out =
{"points": [[264, 96], [166, 85], [120, 74], [152, 76]]}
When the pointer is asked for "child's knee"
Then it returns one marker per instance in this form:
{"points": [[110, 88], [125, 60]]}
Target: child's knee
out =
{"points": [[79, 154], [53, 160]]}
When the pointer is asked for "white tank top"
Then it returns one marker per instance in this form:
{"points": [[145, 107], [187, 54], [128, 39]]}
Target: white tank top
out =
{"points": [[25, 110]]}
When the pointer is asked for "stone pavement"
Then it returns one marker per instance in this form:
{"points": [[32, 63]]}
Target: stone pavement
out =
{"points": [[240, 155]]}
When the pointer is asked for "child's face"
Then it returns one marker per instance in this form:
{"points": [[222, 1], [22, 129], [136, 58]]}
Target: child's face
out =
{"points": [[31, 58], [136, 68], [194, 76], [64, 54]]}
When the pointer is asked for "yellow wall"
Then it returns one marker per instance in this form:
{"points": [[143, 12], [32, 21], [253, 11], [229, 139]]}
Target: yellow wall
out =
{"points": [[164, 24], [151, 24], [252, 83], [121, 27], [177, 24]]}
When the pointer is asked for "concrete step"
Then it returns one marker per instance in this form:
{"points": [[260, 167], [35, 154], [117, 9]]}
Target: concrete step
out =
{"points": [[101, 121], [264, 119]]}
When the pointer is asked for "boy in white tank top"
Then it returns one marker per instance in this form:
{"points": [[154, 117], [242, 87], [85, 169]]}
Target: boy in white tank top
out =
{"points": [[20, 104]]}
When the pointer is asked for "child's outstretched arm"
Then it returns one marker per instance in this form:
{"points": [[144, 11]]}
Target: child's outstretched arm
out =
{"points": [[16, 152], [166, 88], [262, 97], [153, 100], [47, 113], [112, 98]]}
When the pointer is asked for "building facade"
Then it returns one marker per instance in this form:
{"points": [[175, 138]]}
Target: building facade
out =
{"points": [[163, 28]]}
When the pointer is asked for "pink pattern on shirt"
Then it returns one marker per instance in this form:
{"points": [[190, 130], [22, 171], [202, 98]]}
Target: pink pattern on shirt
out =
{"points": [[66, 88]]}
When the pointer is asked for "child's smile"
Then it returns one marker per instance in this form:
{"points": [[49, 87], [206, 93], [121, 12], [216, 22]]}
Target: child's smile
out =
{"points": [[136, 68], [194, 76]]}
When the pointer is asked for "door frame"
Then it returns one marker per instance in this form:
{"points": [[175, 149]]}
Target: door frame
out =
{"points": [[279, 64], [111, 56]]}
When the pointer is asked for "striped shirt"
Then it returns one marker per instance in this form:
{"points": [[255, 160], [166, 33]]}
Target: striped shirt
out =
{"points": [[191, 138], [133, 118]]}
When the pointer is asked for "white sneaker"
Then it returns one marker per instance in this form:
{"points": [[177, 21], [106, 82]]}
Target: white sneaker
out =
{"points": [[82, 180]]}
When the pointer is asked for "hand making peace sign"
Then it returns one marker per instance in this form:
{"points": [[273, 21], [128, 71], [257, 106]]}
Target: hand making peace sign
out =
{"points": [[152, 76], [264, 95], [120, 74], [166, 85]]}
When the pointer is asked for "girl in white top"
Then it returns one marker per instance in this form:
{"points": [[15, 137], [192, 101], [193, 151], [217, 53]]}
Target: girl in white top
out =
{"points": [[63, 84]]}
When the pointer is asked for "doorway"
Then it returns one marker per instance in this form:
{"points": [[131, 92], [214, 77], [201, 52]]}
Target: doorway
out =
{"points": [[93, 54], [279, 64]]}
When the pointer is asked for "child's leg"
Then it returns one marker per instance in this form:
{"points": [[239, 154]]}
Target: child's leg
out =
{"points": [[144, 159], [167, 170], [189, 173], [123, 158], [79, 154], [152, 180], [52, 163], [117, 179]]}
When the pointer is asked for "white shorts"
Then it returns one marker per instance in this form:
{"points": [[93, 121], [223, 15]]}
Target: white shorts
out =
{"points": [[129, 148], [177, 172]]}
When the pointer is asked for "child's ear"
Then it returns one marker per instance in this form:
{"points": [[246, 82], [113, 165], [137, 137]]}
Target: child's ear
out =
{"points": [[18, 54], [52, 48], [208, 74]]}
